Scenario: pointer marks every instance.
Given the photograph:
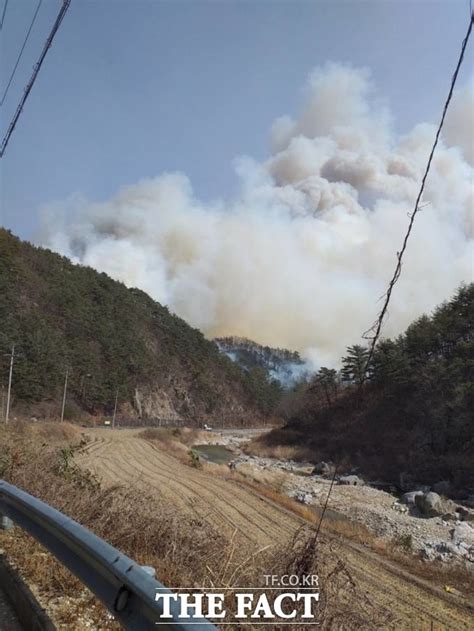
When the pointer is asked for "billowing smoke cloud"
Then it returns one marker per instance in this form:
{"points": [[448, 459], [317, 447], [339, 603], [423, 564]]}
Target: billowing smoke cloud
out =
{"points": [[301, 257]]}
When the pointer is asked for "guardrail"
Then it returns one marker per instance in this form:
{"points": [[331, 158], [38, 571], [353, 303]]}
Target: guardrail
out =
{"points": [[124, 587], [217, 424]]}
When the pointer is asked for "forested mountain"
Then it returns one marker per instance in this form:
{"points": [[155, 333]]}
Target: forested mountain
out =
{"points": [[279, 364], [411, 411], [65, 317]]}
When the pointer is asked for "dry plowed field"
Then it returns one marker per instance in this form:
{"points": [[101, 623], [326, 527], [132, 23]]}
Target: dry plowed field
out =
{"points": [[120, 456]]}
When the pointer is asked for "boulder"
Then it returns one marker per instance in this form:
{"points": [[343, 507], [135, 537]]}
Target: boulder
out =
{"points": [[352, 480], [433, 505], [409, 498], [463, 533], [428, 552], [465, 514], [326, 469]]}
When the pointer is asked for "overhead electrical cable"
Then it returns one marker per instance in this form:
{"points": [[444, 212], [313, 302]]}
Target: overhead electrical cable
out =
{"points": [[377, 326], [36, 70], [4, 96], [3, 14]]}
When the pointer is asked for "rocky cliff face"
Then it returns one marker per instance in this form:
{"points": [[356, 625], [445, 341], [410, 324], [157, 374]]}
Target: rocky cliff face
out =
{"points": [[179, 397], [154, 402]]}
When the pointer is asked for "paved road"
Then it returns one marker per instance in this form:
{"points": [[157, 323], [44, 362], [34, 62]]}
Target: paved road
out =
{"points": [[8, 619]]}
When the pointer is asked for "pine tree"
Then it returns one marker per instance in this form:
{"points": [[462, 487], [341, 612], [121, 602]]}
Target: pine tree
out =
{"points": [[354, 364]]}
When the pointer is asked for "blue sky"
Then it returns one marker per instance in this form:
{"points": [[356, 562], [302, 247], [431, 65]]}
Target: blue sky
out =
{"points": [[134, 88]]}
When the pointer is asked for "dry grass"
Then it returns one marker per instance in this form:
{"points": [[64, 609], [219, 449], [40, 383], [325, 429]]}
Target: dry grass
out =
{"points": [[184, 435], [259, 447], [49, 431], [267, 479], [55, 432], [185, 551], [164, 439], [177, 442]]}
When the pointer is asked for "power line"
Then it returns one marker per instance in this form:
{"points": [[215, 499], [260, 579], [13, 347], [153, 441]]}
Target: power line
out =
{"points": [[21, 53], [378, 324], [49, 41], [3, 14]]}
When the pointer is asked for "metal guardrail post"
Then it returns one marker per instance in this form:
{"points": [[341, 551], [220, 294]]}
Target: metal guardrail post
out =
{"points": [[126, 589], [5, 522]]}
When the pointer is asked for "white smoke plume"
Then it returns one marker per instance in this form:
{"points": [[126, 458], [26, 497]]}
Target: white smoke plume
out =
{"points": [[300, 258]]}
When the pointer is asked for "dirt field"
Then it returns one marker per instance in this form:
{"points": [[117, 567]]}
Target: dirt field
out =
{"points": [[120, 456]]}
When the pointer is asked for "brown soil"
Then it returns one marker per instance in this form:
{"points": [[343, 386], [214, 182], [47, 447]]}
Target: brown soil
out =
{"points": [[121, 456]]}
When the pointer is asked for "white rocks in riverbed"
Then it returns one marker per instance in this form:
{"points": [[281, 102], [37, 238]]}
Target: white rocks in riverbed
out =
{"points": [[400, 508], [437, 537], [447, 551], [302, 496], [352, 480], [461, 546], [463, 532]]}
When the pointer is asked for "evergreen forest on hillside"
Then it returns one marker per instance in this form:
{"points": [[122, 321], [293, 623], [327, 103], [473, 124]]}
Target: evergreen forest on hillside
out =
{"points": [[65, 317]]}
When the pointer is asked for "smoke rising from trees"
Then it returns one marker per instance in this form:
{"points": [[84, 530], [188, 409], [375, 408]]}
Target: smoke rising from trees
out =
{"points": [[300, 257]]}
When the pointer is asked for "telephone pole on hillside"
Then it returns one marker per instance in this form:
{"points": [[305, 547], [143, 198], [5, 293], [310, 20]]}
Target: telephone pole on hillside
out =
{"points": [[64, 395], [3, 402], [115, 409], [10, 376]]}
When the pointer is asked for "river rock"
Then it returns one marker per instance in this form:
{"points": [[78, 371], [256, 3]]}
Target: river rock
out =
{"points": [[301, 496], [446, 551], [433, 505], [463, 533], [352, 480], [465, 514], [409, 498], [326, 469]]}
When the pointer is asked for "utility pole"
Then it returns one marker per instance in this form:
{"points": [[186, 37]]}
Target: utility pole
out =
{"points": [[83, 385], [64, 395], [115, 409], [12, 357]]}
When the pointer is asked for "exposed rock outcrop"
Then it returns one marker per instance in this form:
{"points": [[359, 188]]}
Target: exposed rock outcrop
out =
{"points": [[433, 505]]}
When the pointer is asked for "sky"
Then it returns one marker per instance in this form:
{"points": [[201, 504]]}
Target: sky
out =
{"points": [[131, 89]]}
